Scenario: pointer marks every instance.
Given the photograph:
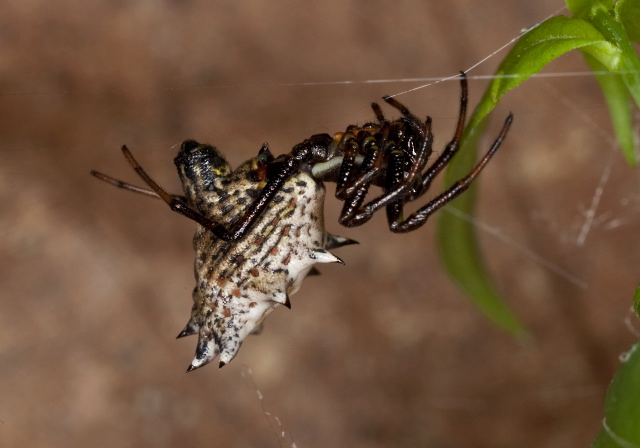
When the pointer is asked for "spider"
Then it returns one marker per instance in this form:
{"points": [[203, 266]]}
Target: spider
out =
{"points": [[261, 226]]}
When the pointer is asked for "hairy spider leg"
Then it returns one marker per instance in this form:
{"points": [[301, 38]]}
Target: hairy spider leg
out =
{"points": [[377, 110]]}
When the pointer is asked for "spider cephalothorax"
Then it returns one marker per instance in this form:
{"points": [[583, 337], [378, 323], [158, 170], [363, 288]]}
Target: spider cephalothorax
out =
{"points": [[261, 226]]}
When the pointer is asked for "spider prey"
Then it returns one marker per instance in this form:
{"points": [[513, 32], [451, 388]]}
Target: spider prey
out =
{"points": [[261, 227]]}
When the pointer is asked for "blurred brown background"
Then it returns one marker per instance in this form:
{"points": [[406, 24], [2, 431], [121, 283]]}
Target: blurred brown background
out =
{"points": [[383, 352]]}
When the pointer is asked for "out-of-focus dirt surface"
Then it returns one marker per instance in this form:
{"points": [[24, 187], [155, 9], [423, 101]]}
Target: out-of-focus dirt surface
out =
{"points": [[95, 283]]}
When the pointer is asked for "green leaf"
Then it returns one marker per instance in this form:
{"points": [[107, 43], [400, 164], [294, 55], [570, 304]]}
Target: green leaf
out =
{"points": [[460, 254], [612, 27], [629, 64], [547, 41], [636, 301], [456, 237], [579, 8], [534, 50], [628, 12], [621, 424], [619, 101], [582, 8]]}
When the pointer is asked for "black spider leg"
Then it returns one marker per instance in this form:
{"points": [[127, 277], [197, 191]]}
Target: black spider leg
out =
{"points": [[452, 148], [357, 189], [395, 173], [399, 225], [178, 205], [377, 110], [407, 160], [396, 168], [353, 213], [348, 146], [370, 172], [394, 211], [129, 187], [349, 183], [398, 186], [377, 150], [398, 190], [285, 166], [264, 158], [359, 141]]}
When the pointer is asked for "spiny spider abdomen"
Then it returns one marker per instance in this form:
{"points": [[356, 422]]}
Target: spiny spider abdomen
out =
{"points": [[239, 284]]}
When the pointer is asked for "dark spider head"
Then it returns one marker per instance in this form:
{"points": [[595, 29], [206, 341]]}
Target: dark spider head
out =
{"points": [[199, 165], [317, 148]]}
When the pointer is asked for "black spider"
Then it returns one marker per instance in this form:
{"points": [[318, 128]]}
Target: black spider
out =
{"points": [[389, 154]]}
